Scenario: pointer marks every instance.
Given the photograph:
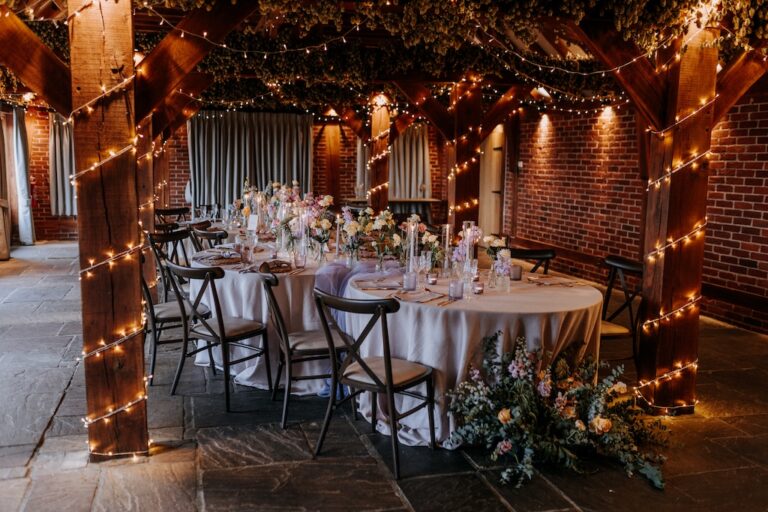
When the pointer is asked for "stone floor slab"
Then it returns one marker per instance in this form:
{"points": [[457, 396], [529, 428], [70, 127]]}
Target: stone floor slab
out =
{"points": [[12, 493], [331, 485], [147, 487], [458, 493], [38, 293], [72, 491], [227, 447]]}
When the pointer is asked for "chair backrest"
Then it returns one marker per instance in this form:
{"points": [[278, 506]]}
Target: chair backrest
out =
{"points": [[146, 293], [213, 238], [166, 215], [378, 309], [161, 242], [203, 224], [540, 256], [166, 227], [621, 267], [270, 283], [208, 276]]}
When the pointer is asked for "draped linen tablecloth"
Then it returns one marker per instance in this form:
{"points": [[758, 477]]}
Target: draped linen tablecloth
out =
{"points": [[449, 338], [244, 296]]}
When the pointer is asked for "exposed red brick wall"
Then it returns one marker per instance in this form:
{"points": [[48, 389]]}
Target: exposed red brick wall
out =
{"points": [[347, 161], [439, 171], [47, 226], [177, 150], [580, 190]]}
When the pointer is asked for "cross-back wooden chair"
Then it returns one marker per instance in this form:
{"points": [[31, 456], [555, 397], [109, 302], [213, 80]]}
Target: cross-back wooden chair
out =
{"points": [[162, 317], [169, 247], [296, 347], [375, 374], [620, 267], [204, 239], [169, 215], [541, 257], [202, 225], [221, 330]]}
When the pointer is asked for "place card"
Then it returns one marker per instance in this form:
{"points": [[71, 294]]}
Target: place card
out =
{"points": [[253, 222]]}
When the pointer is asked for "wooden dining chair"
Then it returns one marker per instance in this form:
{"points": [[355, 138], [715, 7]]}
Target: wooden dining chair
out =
{"points": [[541, 257], [169, 215], [169, 247], [296, 347], [165, 316], [221, 330], [620, 267], [208, 239], [376, 374], [202, 225]]}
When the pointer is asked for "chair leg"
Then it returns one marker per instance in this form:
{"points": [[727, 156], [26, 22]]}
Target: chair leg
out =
{"points": [[353, 403], [327, 419], [374, 411], [287, 392], [225, 360], [393, 433], [155, 339], [277, 377], [431, 412], [184, 348], [265, 355], [211, 361]]}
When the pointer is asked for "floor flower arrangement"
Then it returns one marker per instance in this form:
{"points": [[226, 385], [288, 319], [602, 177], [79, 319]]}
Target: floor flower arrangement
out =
{"points": [[526, 413]]}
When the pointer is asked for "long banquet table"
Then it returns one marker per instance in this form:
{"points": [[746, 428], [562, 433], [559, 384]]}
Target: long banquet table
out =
{"points": [[447, 338]]}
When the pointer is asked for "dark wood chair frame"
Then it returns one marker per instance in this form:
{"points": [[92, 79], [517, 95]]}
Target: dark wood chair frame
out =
{"points": [[542, 257], [620, 267], [159, 243], [288, 356], [378, 309], [203, 239], [171, 215], [208, 276]]}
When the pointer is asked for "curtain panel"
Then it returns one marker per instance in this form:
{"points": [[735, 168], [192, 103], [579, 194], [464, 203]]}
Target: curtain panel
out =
{"points": [[21, 157], [363, 174], [61, 160], [409, 173], [227, 147]]}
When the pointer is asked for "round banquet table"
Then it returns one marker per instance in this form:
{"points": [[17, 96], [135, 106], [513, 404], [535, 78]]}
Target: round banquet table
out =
{"points": [[449, 338], [242, 295]]}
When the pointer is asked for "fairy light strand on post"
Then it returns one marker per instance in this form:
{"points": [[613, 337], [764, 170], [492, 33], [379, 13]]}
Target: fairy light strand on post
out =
{"points": [[670, 171]]}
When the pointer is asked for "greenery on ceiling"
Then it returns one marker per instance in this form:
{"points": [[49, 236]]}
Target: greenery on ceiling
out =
{"points": [[435, 38]]}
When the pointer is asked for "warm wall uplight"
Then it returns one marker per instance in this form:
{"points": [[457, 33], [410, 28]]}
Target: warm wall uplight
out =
{"points": [[137, 57], [380, 100], [331, 113], [607, 114], [28, 96]]}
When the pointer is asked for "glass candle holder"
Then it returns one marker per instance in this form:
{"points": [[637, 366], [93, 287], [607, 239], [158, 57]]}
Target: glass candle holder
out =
{"points": [[410, 281], [455, 289], [515, 272], [432, 278], [478, 288]]}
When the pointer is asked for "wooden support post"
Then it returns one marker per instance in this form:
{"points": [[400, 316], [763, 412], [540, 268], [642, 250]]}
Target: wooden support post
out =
{"points": [[467, 98], [674, 245], [380, 144], [161, 171], [332, 134], [146, 195], [101, 55]]}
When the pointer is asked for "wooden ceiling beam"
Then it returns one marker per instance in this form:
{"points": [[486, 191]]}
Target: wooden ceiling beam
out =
{"points": [[192, 85], [421, 97], [182, 117], [639, 80], [175, 56], [34, 63], [503, 108], [350, 118], [736, 79]]}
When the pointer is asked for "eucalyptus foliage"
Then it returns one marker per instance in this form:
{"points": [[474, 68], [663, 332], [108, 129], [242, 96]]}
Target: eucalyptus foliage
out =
{"points": [[563, 415]]}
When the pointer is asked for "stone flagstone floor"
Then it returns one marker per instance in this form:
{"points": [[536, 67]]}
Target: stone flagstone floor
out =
{"points": [[205, 459]]}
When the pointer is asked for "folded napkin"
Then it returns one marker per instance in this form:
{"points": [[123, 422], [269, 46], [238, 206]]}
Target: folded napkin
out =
{"points": [[378, 284], [419, 297], [275, 266]]}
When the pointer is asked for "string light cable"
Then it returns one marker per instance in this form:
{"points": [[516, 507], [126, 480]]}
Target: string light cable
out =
{"points": [[670, 171], [659, 251]]}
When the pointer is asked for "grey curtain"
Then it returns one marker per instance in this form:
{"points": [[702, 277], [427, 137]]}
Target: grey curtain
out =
{"points": [[363, 179], [227, 147], [61, 159], [409, 176], [21, 157]]}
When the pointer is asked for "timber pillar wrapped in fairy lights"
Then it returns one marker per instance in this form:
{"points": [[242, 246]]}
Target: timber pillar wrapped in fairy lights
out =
{"points": [[101, 42]]}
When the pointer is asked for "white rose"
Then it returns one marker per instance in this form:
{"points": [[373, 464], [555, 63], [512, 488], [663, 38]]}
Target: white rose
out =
{"points": [[378, 224], [488, 239], [369, 211], [351, 228], [325, 224], [497, 243], [396, 240], [504, 253], [432, 239]]}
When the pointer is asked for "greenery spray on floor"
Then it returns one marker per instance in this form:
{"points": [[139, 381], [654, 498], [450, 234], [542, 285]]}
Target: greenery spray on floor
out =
{"points": [[528, 414]]}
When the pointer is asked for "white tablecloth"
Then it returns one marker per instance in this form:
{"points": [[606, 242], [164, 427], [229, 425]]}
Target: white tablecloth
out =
{"points": [[449, 338], [243, 295]]}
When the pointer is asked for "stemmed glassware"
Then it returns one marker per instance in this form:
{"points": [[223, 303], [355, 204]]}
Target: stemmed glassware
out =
{"points": [[424, 265]]}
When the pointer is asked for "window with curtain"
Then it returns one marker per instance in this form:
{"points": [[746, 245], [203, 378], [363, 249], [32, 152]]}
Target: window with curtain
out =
{"points": [[61, 159], [21, 160], [409, 173], [227, 147]]}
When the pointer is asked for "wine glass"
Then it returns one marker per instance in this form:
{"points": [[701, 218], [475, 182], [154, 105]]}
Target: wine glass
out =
{"points": [[204, 212]]}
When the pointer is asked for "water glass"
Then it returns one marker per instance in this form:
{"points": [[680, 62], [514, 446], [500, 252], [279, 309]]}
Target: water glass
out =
{"points": [[300, 259], [515, 272], [455, 289], [410, 280]]}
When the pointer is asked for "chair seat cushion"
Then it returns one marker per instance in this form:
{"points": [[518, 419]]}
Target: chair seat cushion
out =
{"points": [[402, 371], [612, 330], [233, 327], [313, 341], [168, 311]]}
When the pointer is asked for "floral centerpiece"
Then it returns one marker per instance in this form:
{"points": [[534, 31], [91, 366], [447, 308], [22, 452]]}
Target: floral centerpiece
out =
{"points": [[459, 254], [501, 264], [526, 413], [355, 230], [431, 242], [386, 242], [493, 245]]}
